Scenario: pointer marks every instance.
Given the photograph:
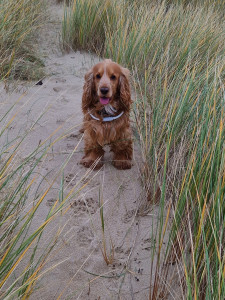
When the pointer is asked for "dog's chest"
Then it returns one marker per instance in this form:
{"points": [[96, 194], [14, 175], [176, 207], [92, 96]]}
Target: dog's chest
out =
{"points": [[105, 132]]}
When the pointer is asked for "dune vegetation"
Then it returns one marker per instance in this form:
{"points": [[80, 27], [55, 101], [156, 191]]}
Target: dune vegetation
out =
{"points": [[175, 51], [19, 22]]}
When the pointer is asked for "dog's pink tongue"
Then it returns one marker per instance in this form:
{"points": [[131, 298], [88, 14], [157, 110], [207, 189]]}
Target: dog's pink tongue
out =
{"points": [[104, 101]]}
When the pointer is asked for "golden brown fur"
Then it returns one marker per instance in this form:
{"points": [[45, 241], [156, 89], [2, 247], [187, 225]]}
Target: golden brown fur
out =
{"points": [[107, 80]]}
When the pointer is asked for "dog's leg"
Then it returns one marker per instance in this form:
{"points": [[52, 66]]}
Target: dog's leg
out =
{"points": [[123, 151], [93, 153]]}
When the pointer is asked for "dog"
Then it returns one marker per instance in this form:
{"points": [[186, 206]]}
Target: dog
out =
{"points": [[106, 104]]}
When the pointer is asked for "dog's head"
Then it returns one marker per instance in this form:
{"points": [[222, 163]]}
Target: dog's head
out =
{"points": [[107, 83]]}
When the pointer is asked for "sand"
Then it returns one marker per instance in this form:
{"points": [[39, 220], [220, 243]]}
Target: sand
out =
{"points": [[77, 267]]}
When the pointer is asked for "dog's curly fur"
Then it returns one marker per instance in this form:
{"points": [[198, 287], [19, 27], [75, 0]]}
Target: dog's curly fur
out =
{"points": [[107, 80]]}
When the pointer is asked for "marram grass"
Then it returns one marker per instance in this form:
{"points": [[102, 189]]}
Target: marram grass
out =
{"points": [[19, 21], [176, 54]]}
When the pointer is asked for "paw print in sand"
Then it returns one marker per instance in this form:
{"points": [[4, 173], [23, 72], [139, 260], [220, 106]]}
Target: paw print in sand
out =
{"points": [[88, 205], [85, 236]]}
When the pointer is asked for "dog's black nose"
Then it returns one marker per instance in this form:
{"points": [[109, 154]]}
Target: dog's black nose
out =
{"points": [[104, 90]]}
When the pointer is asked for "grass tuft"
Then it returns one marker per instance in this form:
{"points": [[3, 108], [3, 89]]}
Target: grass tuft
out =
{"points": [[18, 24]]}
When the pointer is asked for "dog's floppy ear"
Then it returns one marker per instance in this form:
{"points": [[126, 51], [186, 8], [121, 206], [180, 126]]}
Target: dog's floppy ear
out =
{"points": [[88, 90], [124, 86]]}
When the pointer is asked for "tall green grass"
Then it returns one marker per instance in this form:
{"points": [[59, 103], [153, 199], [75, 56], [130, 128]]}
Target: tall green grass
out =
{"points": [[91, 35], [19, 21], [176, 54], [217, 4]]}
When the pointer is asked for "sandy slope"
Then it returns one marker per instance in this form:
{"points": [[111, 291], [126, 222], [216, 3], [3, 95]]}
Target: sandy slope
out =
{"points": [[81, 272]]}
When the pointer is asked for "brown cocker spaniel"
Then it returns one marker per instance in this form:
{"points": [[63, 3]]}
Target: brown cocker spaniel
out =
{"points": [[106, 104]]}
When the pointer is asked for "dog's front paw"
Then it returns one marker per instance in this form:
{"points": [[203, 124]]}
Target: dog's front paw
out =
{"points": [[122, 164], [90, 163]]}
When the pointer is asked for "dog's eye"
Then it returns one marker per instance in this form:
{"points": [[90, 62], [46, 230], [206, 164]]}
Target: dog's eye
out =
{"points": [[113, 77], [98, 76]]}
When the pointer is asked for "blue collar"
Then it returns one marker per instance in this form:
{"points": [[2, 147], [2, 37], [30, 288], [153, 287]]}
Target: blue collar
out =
{"points": [[107, 119]]}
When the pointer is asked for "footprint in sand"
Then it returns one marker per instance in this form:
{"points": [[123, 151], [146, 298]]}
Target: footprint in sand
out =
{"points": [[70, 179], [128, 216], [88, 205], [57, 89], [51, 202], [60, 121], [147, 244], [70, 146], [72, 140], [85, 236], [74, 136]]}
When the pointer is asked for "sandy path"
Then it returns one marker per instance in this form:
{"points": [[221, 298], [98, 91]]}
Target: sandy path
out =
{"points": [[81, 272]]}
